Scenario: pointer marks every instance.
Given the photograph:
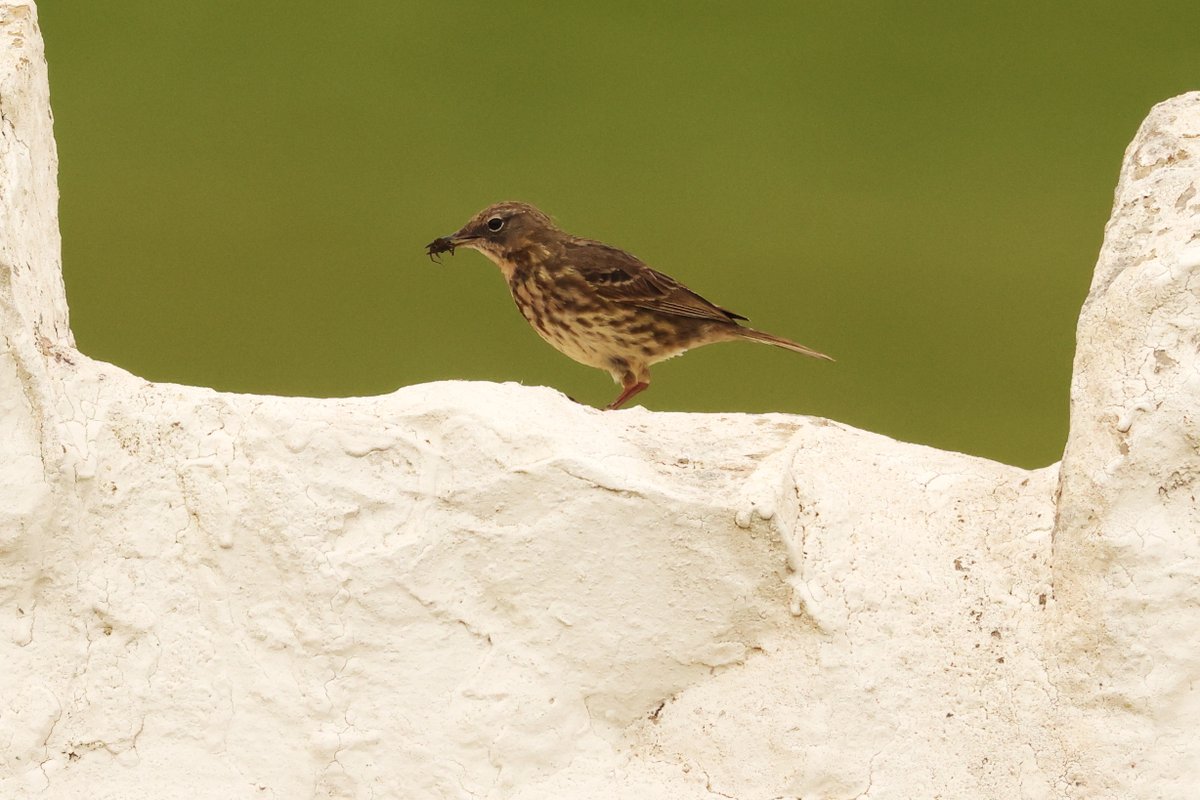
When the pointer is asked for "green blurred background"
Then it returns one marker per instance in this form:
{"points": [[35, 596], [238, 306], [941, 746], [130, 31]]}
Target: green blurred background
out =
{"points": [[918, 189]]}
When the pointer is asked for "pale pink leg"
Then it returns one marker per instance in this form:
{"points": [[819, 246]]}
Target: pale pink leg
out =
{"points": [[630, 391]]}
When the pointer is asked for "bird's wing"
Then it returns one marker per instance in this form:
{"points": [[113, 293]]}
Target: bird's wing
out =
{"points": [[620, 277]]}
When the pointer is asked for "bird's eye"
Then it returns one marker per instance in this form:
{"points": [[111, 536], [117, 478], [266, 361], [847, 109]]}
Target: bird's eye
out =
{"points": [[495, 224]]}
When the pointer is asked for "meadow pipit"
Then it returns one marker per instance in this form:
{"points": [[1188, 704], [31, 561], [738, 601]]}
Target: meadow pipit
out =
{"points": [[597, 304]]}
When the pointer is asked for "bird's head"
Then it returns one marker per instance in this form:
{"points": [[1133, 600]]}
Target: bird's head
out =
{"points": [[501, 232]]}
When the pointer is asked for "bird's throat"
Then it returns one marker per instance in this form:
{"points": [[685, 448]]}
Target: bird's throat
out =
{"points": [[516, 261]]}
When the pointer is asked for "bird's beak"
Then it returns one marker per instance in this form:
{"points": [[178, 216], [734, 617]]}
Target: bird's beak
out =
{"points": [[460, 237]]}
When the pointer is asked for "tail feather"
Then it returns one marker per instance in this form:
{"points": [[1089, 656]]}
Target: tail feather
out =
{"points": [[779, 341]]}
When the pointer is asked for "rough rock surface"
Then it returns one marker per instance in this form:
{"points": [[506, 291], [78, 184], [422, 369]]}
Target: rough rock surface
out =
{"points": [[1126, 634], [470, 590]]}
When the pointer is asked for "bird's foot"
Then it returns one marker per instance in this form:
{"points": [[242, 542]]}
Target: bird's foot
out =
{"points": [[629, 392]]}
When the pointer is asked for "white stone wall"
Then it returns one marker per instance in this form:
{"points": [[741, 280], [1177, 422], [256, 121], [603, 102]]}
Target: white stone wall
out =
{"points": [[475, 590], [1126, 634]]}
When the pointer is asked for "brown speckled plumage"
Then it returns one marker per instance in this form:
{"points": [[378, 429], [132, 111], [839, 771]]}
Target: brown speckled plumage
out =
{"points": [[597, 304]]}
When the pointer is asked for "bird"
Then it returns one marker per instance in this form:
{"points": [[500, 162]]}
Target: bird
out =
{"points": [[595, 303]]}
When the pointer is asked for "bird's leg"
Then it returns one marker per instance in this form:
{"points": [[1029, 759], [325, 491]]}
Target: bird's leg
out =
{"points": [[631, 386]]}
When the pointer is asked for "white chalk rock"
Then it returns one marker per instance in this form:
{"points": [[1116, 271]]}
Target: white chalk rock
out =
{"points": [[1126, 636], [475, 590]]}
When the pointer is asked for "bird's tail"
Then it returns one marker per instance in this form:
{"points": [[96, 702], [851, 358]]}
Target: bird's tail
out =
{"points": [[779, 341]]}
